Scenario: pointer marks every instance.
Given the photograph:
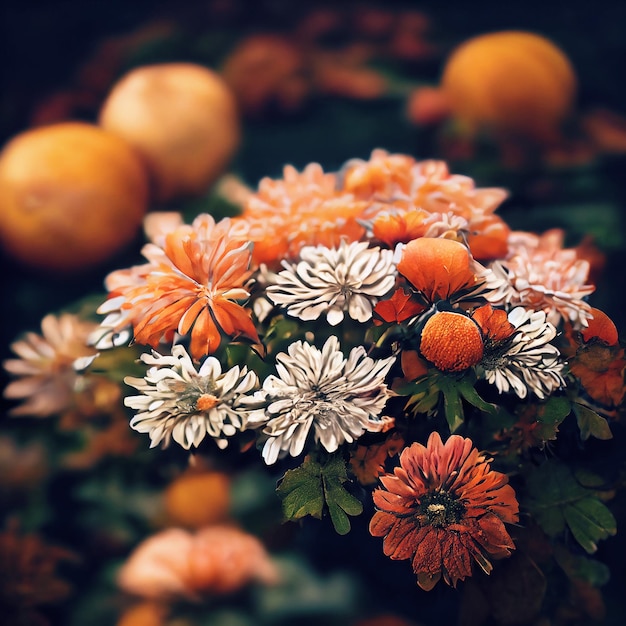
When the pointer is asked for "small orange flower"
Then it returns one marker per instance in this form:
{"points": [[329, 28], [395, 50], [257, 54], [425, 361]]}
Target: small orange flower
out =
{"points": [[601, 328], [494, 323], [452, 342], [193, 286], [442, 508], [393, 228], [399, 308], [300, 209], [437, 268], [368, 462]]}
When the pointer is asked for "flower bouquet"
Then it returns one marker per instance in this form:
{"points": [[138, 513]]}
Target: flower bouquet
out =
{"points": [[382, 345]]}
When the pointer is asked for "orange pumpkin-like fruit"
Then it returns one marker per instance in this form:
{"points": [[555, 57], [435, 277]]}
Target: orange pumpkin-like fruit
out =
{"points": [[71, 196], [511, 81], [182, 118], [197, 499]]}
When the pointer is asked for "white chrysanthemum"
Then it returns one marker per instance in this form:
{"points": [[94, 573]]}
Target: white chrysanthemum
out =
{"points": [[181, 403], [526, 360], [316, 389], [334, 281], [542, 275], [48, 370]]}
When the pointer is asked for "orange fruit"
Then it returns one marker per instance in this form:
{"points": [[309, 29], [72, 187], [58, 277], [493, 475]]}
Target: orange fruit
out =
{"points": [[512, 81], [182, 118], [71, 195], [194, 500], [144, 614]]}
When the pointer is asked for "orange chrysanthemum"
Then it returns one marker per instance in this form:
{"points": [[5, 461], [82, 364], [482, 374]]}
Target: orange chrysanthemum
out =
{"points": [[192, 285], [300, 209], [452, 342], [405, 190], [442, 508], [437, 268]]}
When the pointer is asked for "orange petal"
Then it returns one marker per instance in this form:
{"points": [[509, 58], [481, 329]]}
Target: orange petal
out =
{"points": [[493, 322], [601, 327], [436, 267], [399, 308]]}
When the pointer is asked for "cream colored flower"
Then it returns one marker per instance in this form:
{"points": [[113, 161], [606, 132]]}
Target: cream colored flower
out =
{"points": [[542, 275], [49, 367], [334, 281], [525, 360], [181, 403], [320, 390]]}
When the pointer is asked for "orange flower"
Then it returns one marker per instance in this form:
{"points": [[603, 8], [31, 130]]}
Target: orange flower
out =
{"points": [[494, 323], [175, 564], [368, 462], [451, 341], [193, 286], [437, 268], [398, 308], [300, 209], [441, 508], [598, 361]]}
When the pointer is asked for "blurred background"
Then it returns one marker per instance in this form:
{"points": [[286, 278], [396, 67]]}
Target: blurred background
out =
{"points": [[311, 82]]}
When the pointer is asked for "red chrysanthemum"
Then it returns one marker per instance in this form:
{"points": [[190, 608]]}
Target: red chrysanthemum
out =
{"points": [[442, 508]]}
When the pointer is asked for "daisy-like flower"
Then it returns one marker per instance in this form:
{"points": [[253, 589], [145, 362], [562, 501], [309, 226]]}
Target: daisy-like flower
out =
{"points": [[50, 365], [338, 398], [443, 508], [184, 404], [193, 285], [517, 353], [334, 281], [542, 275]]}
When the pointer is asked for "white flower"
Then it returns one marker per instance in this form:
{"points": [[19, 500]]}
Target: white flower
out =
{"points": [[338, 398], [541, 274], [181, 403], [50, 365], [526, 360], [333, 281]]}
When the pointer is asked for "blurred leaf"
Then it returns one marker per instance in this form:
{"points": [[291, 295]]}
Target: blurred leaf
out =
{"points": [[591, 424], [581, 567], [554, 411], [557, 499]]}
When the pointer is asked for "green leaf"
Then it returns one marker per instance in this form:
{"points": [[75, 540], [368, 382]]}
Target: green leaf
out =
{"points": [[469, 393], [558, 500], [581, 567], [302, 492], [315, 487], [554, 411], [589, 520], [453, 407], [591, 424]]}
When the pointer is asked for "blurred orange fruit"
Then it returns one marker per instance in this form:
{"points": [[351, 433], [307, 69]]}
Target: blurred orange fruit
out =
{"points": [[182, 118], [71, 196], [194, 500], [510, 81], [144, 614]]}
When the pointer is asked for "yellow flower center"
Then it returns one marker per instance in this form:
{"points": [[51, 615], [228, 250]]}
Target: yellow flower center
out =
{"points": [[452, 342]]}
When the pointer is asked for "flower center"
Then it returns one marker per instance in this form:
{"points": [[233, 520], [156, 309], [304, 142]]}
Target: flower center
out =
{"points": [[440, 509], [451, 341], [206, 402]]}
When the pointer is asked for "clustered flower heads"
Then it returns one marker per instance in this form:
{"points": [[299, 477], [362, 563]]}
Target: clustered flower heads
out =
{"points": [[385, 305]]}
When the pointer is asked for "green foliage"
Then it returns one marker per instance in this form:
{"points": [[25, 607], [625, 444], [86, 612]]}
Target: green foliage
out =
{"points": [[558, 500], [590, 423], [426, 391], [314, 487]]}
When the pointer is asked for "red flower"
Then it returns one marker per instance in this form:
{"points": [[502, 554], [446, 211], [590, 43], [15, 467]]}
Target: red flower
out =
{"points": [[442, 508]]}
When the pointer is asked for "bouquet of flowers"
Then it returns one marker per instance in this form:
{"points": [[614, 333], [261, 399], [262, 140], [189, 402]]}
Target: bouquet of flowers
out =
{"points": [[383, 344]]}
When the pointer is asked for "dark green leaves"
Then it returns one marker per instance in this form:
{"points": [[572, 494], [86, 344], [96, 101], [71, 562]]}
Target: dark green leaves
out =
{"points": [[315, 487], [558, 500], [426, 391], [590, 423]]}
